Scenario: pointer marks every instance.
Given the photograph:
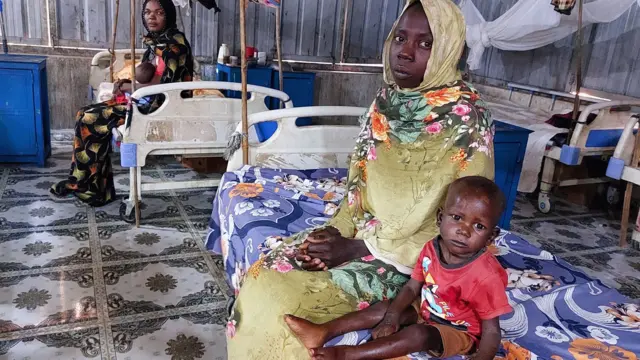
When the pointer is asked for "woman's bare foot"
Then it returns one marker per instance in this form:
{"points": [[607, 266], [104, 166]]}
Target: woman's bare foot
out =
{"points": [[328, 353], [311, 335]]}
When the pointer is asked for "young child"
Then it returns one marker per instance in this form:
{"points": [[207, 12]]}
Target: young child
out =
{"points": [[145, 72], [458, 287]]}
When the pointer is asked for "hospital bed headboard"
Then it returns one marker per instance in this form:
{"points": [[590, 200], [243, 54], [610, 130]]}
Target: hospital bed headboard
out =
{"points": [[305, 147]]}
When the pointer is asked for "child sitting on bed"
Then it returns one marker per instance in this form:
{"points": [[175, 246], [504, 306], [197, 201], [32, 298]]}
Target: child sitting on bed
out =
{"points": [[457, 290]]}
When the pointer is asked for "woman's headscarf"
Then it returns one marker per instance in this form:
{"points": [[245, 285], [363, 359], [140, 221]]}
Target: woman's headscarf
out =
{"points": [[449, 31], [169, 13], [440, 128]]}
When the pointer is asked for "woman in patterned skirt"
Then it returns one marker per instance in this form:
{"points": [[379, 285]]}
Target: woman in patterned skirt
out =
{"points": [[91, 176]]}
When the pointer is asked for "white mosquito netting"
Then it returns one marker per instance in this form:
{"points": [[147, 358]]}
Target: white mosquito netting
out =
{"points": [[530, 24]]}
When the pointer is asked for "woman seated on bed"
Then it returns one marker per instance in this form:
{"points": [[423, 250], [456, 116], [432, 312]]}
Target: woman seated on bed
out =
{"points": [[91, 178], [425, 129]]}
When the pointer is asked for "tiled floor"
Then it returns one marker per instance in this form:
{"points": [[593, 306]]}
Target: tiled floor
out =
{"points": [[79, 283], [586, 239]]}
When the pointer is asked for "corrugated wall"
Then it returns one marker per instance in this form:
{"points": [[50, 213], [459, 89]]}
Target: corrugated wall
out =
{"points": [[614, 64], [26, 21], [312, 31]]}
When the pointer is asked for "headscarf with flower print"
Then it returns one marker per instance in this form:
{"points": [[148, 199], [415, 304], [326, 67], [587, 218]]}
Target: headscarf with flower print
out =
{"points": [[443, 106], [405, 110]]}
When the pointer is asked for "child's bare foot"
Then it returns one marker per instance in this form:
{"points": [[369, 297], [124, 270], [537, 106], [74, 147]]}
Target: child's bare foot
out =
{"points": [[311, 335], [328, 353]]}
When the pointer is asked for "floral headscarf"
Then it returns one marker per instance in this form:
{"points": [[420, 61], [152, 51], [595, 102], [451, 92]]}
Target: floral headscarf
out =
{"points": [[443, 109]]}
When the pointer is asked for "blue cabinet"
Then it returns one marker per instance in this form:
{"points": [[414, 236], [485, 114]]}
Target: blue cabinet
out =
{"points": [[260, 76], [298, 85], [510, 144], [25, 135]]}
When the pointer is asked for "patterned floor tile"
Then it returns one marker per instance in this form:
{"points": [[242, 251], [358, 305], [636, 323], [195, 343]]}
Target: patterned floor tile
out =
{"points": [[23, 213], [589, 269], [629, 286], [121, 181], [122, 242], [218, 261], [154, 206], [139, 288], [50, 248], [525, 208], [47, 299], [72, 345], [565, 208], [29, 186], [178, 338], [197, 203], [567, 234], [618, 262], [57, 164], [603, 224], [188, 174]]}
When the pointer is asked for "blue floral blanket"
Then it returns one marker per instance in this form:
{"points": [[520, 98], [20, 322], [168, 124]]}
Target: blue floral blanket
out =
{"points": [[559, 313]]}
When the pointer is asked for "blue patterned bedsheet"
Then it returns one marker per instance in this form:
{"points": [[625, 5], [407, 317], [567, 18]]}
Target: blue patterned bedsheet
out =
{"points": [[559, 313]]}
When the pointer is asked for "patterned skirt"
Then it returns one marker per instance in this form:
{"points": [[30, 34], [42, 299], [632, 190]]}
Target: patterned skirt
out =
{"points": [[275, 285], [91, 176]]}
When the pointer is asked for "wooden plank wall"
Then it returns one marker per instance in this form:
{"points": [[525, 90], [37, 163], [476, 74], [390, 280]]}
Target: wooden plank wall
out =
{"points": [[312, 31]]}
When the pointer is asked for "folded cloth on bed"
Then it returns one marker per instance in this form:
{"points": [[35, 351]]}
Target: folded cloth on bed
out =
{"points": [[559, 312]]}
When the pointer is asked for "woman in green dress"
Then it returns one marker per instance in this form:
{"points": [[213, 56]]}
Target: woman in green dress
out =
{"points": [[424, 129]]}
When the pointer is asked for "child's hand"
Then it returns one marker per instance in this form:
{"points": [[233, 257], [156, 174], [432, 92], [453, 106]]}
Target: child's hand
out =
{"points": [[388, 326]]}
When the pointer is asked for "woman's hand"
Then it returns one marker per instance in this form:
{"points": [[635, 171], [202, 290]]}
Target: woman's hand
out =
{"points": [[326, 248], [388, 326]]}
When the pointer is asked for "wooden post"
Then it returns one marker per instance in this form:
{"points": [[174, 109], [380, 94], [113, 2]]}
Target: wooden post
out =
{"points": [[624, 224], [243, 71], [113, 40], [344, 30], [136, 205], [279, 49], [576, 101]]}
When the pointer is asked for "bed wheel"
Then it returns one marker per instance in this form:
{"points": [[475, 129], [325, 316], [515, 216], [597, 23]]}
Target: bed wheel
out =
{"points": [[613, 196], [126, 212], [544, 203]]}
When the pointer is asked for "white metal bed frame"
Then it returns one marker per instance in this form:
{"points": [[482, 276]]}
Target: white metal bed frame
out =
{"points": [[573, 153], [577, 149], [308, 147], [620, 168], [187, 126]]}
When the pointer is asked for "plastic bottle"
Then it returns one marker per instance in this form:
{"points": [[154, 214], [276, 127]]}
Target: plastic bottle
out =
{"points": [[223, 54]]}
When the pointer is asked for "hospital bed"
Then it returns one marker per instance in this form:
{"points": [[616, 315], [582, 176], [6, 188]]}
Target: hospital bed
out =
{"points": [[308, 147], [289, 172], [621, 168], [188, 127], [599, 138], [197, 126]]}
